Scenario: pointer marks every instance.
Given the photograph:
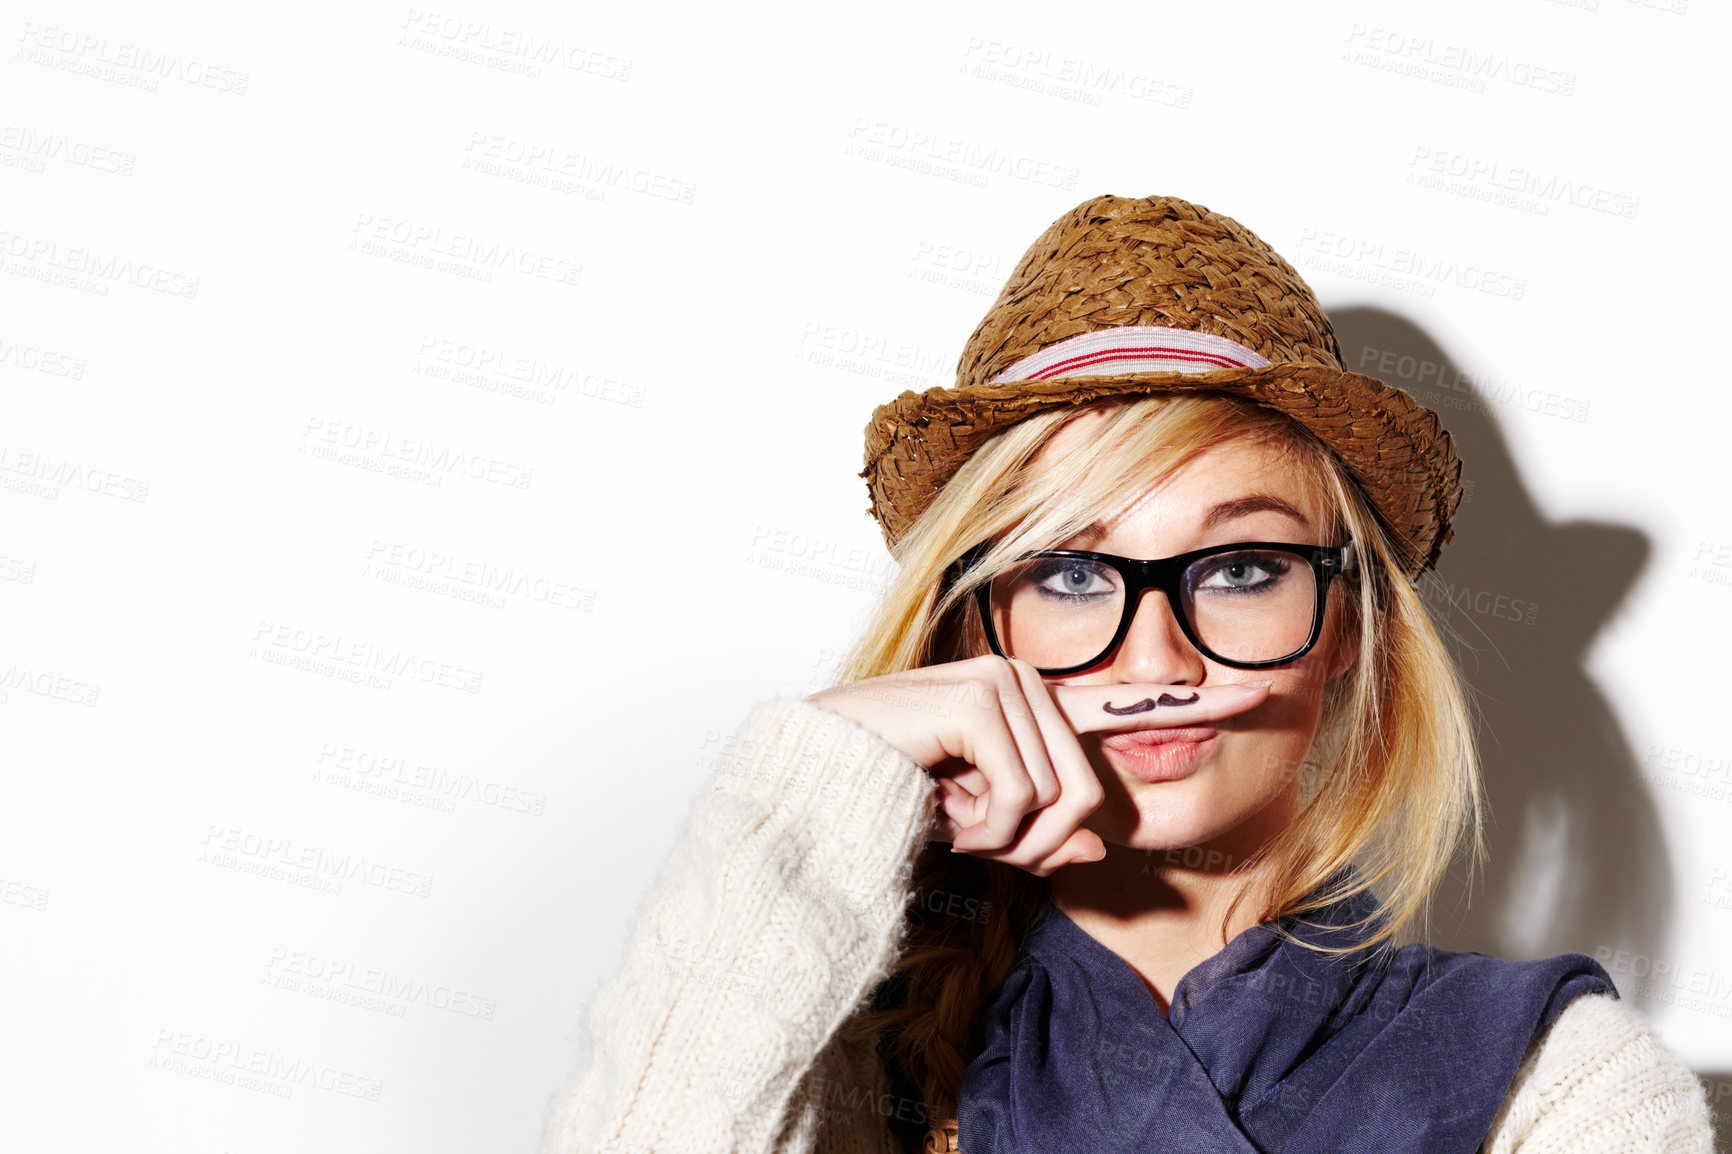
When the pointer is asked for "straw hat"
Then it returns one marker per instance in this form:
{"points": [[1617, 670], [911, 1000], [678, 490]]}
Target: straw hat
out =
{"points": [[1123, 296]]}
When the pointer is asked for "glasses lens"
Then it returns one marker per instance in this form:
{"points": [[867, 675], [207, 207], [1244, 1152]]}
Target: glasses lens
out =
{"points": [[1251, 605], [1248, 605], [1056, 612]]}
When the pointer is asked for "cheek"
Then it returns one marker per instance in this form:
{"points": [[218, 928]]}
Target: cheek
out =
{"points": [[1271, 740], [1262, 759], [1295, 700], [1298, 690]]}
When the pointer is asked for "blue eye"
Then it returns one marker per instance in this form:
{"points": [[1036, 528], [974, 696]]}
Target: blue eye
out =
{"points": [[1241, 572], [1070, 578]]}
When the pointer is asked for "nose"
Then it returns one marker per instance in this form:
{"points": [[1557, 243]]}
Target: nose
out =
{"points": [[1155, 649]]}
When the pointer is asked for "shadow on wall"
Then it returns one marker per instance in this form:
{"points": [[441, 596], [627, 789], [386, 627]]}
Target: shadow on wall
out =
{"points": [[1577, 860]]}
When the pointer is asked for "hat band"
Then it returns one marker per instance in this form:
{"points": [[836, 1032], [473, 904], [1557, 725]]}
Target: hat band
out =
{"points": [[1133, 349]]}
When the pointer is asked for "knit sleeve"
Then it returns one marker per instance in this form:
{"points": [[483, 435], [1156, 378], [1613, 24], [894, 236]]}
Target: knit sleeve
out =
{"points": [[1600, 1079], [778, 911]]}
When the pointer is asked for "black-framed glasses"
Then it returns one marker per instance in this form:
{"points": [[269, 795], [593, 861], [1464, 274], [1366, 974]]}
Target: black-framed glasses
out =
{"points": [[1247, 605]]}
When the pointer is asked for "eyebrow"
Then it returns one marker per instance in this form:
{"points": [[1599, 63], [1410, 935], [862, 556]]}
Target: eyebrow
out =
{"points": [[1224, 512]]}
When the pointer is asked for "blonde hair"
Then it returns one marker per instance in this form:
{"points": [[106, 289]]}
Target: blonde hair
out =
{"points": [[1391, 784]]}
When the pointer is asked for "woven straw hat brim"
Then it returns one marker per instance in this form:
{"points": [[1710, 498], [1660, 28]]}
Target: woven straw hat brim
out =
{"points": [[1394, 447]]}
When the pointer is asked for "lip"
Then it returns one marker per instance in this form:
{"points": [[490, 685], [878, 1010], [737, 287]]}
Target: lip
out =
{"points": [[1160, 754]]}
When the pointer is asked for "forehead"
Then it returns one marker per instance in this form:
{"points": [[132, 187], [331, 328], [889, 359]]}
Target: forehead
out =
{"points": [[1240, 467]]}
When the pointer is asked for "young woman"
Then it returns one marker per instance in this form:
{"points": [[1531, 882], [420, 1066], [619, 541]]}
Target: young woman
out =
{"points": [[1106, 834]]}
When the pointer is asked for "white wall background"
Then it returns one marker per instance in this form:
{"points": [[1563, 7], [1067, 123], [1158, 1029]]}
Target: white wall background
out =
{"points": [[428, 430]]}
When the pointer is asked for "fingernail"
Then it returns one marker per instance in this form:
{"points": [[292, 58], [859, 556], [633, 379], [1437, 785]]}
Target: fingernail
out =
{"points": [[1255, 684]]}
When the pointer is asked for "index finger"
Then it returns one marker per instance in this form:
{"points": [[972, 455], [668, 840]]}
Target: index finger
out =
{"points": [[1126, 706]]}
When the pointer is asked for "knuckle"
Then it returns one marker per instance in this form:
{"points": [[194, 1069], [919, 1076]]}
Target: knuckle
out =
{"points": [[984, 690], [1083, 804]]}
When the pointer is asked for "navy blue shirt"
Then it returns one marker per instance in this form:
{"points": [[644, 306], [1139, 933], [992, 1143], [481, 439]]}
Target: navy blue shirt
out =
{"points": [[1267, 1045]]}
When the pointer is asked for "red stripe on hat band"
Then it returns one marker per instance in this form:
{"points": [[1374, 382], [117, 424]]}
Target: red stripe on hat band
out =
{"points": [[1132, 354], [1180, 350]]}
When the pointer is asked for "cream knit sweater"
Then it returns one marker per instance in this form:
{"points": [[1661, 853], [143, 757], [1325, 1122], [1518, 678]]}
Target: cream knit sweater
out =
{"points": [[779, 911]]}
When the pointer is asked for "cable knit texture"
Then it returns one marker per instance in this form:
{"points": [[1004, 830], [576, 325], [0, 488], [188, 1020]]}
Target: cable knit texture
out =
{"points": [[777, 913], [1600, 1080], [780, 910]]}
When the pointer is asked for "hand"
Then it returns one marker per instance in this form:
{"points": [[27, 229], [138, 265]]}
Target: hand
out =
{"points": [[1014, 783]]}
